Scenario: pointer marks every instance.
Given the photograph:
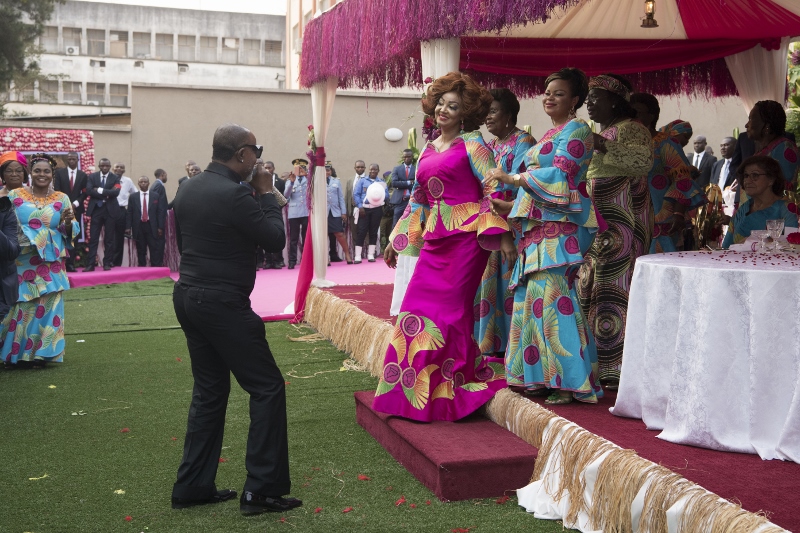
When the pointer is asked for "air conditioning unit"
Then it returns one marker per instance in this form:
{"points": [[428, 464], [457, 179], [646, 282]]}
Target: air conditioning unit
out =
{"points": [[73, 50], [182, 68]]}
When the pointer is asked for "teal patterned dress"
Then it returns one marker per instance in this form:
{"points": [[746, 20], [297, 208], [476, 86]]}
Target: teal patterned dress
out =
{"points": [[33, 331], [550, 344], [494, 300]]}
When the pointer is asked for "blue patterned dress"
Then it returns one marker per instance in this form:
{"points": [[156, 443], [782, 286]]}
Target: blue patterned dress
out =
{"points": [[745, 220], [550, 344], [492, 321], [34, 327]]}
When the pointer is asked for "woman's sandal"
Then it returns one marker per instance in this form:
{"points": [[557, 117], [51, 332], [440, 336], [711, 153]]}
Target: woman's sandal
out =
{"points": [[558, 399], [538, 393]]}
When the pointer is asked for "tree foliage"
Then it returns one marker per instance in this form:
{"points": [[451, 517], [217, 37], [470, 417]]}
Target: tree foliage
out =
{"points": [[21, 21]]}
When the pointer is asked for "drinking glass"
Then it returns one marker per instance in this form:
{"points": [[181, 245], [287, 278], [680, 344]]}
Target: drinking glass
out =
{"points": [[762, 235], [775, 228]]}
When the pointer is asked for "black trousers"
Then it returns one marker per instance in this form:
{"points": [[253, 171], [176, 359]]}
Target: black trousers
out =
{"points": [[119, 237], [101, 220], [225, 336], [145, 240], [296, 227], [369, 224]]}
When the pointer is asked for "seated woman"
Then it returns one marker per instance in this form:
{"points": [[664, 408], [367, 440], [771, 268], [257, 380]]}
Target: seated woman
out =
{"points": [[433, 368], [766, 127], [763, 181], [551, 350]]}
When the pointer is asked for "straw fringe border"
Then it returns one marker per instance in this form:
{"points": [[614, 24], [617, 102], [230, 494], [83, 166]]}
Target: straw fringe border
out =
{"points": [[621, 475]]}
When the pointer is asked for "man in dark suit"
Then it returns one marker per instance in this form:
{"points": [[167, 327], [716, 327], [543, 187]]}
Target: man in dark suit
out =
{"points": [[72, 182], [146, 219], [403, 177], [721, 173], [102, 188], [221, 224], [9, 251], [702, 161]]}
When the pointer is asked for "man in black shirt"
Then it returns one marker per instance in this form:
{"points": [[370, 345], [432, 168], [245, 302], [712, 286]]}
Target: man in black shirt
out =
{"points": [[221, 224]]}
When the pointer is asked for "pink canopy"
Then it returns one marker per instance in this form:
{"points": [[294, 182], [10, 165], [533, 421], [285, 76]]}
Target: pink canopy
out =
{"points": [[376, 43]]}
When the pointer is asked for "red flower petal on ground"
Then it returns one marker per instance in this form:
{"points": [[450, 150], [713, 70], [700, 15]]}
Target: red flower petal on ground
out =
{"points": [[347, 509], [400, 502], [128, 518], [502, 499], [318, 510], [178, 359], [282, 519], [427, 502], [315, 468], [362, 477], [174, 438], [287, 382], [413, 505], [125, 430], [223, 460]]}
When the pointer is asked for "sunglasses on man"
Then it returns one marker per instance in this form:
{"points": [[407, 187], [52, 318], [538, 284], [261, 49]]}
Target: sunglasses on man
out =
{"points": [[257, 148]]}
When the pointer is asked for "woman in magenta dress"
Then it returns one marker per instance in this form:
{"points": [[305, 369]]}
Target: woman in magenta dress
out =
{"points": [[434, 369]]}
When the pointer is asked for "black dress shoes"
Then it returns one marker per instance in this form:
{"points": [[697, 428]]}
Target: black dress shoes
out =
{"points": [[291, 266], [251, 503], [106, 267], [70, 268], [336, 259], [220, 496], [89, 269]]}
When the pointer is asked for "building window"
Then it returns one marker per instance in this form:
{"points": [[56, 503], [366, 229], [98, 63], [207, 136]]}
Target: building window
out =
{"points": [[72, 40], [96, 63], [118, 44], [49, 40], [48, 91], [230, 50], [164, 43], [208, 50], [96, 42], [96, 93], [183, 68], [119, 95], [252, 52], [25, 93], [141, 45], [186, 46], [272, 53], [72, 92], [138, 64]]}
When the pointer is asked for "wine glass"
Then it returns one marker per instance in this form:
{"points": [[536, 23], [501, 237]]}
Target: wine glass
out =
{"points": [[762, 235], [775, 228]]}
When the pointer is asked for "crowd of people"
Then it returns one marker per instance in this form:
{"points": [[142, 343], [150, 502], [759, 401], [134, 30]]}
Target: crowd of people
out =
{"points": [[540, 239]]}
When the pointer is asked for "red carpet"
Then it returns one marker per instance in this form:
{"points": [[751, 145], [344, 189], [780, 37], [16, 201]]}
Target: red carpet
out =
{"points": [[116, 275], [490, 461], [374, 300], [770, 486]]}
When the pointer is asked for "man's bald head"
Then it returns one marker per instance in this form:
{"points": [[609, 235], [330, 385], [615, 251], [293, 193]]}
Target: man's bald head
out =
{"points": [[227, 139]]}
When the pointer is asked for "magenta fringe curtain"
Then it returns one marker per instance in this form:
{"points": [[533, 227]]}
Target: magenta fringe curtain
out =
{"points": [[708, 79], [375, 43]]}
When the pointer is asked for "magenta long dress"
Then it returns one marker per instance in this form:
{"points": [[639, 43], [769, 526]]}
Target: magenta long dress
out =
{"points": [[434, 369]]}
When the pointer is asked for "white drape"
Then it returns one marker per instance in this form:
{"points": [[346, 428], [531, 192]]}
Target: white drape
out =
{"points": [[439, 57], [760, 74], [322, 96]]}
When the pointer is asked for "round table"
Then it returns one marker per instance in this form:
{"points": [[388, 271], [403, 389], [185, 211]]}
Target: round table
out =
{"points": [[712, 351]]}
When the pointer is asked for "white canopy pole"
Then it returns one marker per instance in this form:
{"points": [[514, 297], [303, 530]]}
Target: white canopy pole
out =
{"points": [[760, 74], [322, 97]]}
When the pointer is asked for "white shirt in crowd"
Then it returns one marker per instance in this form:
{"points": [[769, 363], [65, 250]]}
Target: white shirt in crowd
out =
{"points": [[698, 158], [126, 189], [723, 174]]}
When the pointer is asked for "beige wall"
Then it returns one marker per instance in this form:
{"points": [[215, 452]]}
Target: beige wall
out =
{"points": [[114, 145], [171, 125]]}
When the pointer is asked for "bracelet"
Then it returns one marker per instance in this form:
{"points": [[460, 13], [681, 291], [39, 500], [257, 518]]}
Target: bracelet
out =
{"points": [[517, 179]]}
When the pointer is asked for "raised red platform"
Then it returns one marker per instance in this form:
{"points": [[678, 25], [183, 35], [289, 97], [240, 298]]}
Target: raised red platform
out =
{"points": [[116, 275], [471, 458]]}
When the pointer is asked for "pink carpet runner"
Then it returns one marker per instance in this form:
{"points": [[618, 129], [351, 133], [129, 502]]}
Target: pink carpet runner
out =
{"points": [[116, 275]]}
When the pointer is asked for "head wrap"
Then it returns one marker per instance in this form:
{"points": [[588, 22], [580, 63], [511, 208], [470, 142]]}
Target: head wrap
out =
{"points": [[35, 158], [678, 127], [610, 84], [13, 156]]}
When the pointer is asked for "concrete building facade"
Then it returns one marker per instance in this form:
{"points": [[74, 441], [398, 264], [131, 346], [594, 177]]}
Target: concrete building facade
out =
{"points": [[100, 49]]}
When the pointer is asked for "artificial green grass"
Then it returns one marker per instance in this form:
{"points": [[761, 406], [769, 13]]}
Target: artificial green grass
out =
{"points": [[67, 454]]}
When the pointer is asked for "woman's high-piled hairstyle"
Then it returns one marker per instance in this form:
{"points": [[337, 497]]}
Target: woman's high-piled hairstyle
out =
{"points": [[475, 100]]}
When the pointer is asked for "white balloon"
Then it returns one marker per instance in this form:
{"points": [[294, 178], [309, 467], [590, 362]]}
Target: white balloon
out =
{"points": [[393, 134]]}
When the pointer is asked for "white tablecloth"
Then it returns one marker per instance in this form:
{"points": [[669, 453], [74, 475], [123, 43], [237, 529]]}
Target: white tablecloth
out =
{"points": [[712, 351]]}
